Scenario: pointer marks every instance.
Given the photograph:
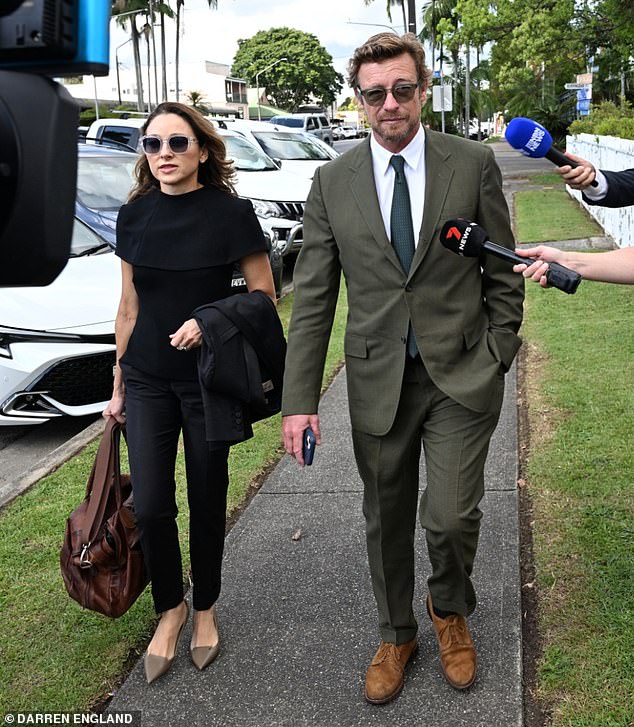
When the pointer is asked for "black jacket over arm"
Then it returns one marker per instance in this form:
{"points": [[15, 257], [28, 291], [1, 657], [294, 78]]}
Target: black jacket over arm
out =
{"points": [[241, 364], [620, 190]]}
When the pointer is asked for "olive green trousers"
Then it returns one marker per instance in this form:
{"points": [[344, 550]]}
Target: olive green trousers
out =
{"points": [[455, 442]]}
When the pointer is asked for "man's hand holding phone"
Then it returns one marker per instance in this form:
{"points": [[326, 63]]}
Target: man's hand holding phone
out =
{"points": [[308, 446], [299, 442]]}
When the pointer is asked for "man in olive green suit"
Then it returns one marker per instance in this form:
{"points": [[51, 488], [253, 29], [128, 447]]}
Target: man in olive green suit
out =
{"points": [[429, 338]]}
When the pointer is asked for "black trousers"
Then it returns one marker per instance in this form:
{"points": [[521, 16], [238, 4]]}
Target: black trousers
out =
{"points": [[157, 410]]}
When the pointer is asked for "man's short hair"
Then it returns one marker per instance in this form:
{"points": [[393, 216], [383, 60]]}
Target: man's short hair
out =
{"points": [[385, 45]]}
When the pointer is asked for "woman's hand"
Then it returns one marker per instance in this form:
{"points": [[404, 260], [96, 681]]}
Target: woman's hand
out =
{"points": [[542, 255], [115, 408], [187, 336]]}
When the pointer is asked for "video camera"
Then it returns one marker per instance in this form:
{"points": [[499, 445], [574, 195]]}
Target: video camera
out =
{"points": [[39, 40]]}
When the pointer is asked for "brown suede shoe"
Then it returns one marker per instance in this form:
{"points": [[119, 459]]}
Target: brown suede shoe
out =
{"points": [[386, 674], [457, 650]]}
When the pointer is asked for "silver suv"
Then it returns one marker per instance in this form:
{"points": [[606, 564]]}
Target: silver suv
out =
{"points": [[316, 124]]}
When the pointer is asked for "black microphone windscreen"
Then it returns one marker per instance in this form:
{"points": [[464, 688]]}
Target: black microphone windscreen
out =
{"points": [[463, 237]]}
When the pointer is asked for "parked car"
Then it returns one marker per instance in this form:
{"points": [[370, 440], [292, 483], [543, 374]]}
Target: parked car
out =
{"points": [[57, 342], [278, 197], [316, 124], [116, 132], [294, 150], [345, 132], [57, 347]]}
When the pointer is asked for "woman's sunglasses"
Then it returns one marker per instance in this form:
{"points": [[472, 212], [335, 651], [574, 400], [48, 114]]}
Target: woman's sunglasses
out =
{"points": [[178, 143], [402, 92]]}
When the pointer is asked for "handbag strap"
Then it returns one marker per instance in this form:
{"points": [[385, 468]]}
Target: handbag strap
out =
{"points": [[104, 477]]}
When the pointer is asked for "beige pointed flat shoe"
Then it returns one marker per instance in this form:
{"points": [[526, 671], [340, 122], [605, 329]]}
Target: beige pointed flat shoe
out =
{"points": [[202, 656], [156, 666]]}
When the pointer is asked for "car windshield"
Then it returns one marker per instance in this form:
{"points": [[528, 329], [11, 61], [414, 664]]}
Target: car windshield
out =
{"points": [[289, 145], [288, 121], [246, 156], [104, 182], [86, 242]]}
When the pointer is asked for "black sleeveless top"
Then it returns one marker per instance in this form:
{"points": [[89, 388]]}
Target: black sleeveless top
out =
{"points": [[182, 249]]}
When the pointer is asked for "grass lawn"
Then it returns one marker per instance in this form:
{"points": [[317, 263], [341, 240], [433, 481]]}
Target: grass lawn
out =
{"points": [[55, 656], [551, 214], [579, 352]]}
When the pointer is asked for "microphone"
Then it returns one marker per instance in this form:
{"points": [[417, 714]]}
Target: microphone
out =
{"points": [[533, 140], [470, 240]]}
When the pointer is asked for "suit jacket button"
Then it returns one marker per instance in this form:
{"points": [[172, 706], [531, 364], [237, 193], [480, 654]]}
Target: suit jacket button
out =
{"points": [[408, 288]]}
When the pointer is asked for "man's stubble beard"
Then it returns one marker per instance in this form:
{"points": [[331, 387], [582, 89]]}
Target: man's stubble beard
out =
{"points": [[396, 137]]}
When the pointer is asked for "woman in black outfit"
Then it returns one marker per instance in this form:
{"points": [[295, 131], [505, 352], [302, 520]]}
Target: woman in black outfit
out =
{"points": [[178, 237]]}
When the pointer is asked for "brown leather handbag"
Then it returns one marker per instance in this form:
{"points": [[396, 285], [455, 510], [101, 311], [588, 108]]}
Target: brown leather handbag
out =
{"points": [[101, 559]]}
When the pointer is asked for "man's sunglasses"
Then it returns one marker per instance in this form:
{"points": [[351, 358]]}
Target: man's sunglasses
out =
{"points": [[178, 143], [402, 92]]}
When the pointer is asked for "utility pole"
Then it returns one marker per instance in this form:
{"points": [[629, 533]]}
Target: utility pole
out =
{"points": [[467, 92], [411, 16]]}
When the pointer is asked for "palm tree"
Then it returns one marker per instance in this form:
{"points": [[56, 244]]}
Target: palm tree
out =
{"points": [[126, 11], [408, 25], [179, 6]]}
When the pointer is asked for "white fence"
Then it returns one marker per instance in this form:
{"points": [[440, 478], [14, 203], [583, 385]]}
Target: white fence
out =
{"points": [[613, 154]]}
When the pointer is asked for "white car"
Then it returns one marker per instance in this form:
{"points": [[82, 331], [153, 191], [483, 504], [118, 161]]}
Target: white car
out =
{"points": [[296, 151], [278, 197], [348, 132], [57, 342]]}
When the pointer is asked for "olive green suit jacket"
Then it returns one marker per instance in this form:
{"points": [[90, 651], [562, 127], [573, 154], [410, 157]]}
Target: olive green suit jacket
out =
{"points": [[465, 312]]}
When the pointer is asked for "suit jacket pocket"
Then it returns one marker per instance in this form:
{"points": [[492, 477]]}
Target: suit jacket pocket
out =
{"points": [[356, 346]]}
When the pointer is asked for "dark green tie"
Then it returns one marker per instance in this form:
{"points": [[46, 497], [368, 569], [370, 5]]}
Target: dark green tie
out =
{"points": [[402, 229]]}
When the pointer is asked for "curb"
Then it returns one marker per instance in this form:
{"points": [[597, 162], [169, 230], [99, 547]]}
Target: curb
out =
{"points": [[51, 462]]}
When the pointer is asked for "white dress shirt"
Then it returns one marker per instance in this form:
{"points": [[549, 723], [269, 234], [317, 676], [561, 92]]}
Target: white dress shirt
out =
{"points": [[414, 155], [597, 193]]}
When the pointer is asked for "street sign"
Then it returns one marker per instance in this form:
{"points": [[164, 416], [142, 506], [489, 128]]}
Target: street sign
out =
{"points": [[576, 86], [441, 98]]}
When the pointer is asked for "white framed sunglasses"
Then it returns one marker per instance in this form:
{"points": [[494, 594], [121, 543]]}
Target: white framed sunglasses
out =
{"points": [[178, 143]]}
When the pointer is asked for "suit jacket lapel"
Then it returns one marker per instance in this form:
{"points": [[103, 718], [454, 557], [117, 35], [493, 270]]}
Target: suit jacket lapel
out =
{"points": [[438, 175], [364, 192]]}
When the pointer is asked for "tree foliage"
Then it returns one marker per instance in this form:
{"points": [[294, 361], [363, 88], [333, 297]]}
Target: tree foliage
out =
{"points": [[307, 74], [539, 45]]}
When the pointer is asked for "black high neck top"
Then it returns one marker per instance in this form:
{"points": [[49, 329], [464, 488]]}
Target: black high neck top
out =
{"points": [[183, 249]]}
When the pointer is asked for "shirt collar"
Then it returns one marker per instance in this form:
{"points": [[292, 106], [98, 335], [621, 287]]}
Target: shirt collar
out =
{"points": [[412, 153]]}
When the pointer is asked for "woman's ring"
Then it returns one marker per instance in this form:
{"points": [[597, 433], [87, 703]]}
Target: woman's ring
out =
{"points": [[181, 348]]}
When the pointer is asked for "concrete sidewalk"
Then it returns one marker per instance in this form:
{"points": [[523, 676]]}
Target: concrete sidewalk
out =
{"points": [[297, 616]]}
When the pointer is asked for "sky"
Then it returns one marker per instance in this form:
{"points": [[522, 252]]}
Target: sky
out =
{"points": [[212, 35]]}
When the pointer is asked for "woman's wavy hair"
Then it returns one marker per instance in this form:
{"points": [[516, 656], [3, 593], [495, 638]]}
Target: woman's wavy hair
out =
{"points": [[382, 46], [216, 171]]}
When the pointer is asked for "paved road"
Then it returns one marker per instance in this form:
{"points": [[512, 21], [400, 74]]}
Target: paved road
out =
{"points": [[514, 164]]}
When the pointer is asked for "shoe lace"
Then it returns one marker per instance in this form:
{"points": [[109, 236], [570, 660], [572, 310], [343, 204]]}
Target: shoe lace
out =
{"points": [[387, 650], [454, 632]]}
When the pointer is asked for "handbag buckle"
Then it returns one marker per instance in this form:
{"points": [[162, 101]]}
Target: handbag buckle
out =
{"points": [[84, 557]]}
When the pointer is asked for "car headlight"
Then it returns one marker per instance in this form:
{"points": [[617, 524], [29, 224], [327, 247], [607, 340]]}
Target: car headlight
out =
{"points": [[264, 208]]}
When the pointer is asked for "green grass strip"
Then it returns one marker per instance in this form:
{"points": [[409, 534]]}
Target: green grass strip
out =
{"points": [[580, 477], [55, 656], [551, 214]]}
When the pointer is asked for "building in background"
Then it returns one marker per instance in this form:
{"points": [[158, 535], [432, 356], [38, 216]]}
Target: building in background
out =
{"points": [[217, 89]]}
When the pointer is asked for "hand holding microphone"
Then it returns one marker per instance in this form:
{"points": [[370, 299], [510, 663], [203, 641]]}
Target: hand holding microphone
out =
{"points": [[470, 240], [533, 140]]}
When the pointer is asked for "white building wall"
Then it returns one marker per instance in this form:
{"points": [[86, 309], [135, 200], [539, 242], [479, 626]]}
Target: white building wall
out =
{"points": [[613, 154], [204, 77]]}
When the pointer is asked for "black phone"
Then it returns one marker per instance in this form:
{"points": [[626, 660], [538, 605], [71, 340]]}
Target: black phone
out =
{"points": [[308, 445]]}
